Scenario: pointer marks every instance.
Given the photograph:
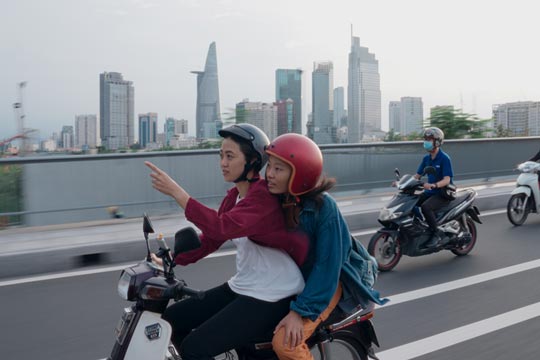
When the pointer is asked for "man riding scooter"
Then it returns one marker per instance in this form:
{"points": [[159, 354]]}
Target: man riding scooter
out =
{"points": [[431, 200]]}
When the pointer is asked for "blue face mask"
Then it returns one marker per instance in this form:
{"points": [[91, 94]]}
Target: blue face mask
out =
{"points": [[428, 145]]}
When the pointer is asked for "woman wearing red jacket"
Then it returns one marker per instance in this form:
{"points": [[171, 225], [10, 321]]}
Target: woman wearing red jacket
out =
{"points": [[251, 303]]}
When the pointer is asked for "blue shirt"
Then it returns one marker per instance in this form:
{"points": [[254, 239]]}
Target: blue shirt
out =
{"points": [[443, 167], [328, 258]]}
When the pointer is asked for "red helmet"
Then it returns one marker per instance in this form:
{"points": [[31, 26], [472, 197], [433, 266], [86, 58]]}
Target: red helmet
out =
{"points": [[304, 157]]}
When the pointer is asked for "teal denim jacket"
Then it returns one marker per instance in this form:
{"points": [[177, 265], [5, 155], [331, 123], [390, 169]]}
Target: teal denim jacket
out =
{"points": [[328, 259]]}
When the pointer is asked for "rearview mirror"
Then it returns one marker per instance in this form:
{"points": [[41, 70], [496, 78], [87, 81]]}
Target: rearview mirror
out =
{"points": [[398, 175], [185, 240], [147, 226]]}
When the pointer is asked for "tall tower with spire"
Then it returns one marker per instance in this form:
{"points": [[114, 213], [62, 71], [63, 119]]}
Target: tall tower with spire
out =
{"points": [[208, 118], [363, 93]]}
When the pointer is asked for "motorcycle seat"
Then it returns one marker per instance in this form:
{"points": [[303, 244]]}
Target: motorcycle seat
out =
{"points": [[462, 196]]}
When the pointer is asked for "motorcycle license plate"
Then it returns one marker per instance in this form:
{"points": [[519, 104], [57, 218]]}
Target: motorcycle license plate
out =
{"points": [[123, 325]]}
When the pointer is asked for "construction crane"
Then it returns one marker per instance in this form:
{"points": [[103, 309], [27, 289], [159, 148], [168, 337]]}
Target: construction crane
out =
{"points": [[22, 132], [4, 143], [19, 116]]}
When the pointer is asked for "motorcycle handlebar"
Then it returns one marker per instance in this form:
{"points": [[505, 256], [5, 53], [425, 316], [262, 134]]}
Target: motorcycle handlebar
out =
{"points": [[199, 294], [181, 290]]}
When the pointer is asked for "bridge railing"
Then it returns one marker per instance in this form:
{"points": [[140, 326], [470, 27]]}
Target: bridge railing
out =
{"points": [[64, 189]]}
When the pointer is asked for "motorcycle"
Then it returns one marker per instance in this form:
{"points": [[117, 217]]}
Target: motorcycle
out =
{"points": [[404, 228], [525, 198], [141, 333]]}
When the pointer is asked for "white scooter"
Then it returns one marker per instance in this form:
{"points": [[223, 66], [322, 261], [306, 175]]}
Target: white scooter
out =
{"points": [[525, 198], [141, 333]]}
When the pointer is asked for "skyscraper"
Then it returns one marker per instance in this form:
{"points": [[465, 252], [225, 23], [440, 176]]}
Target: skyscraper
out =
{"points": [[174, 127], [406, 116], [147, 129], [262, 115], [412, 115], [522, 118], [285, 116], [289, 86], [339, 106], [394, 116], [67, 136], [322, 102], [363, 93], [85, 131], [116, 111], [208, 111]]}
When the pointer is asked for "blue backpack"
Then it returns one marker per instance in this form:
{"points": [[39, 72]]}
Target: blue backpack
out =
{"points": [[358, 277]]}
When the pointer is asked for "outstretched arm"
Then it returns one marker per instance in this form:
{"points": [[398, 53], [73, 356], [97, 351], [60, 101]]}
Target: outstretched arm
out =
{"points": [[163, 183]]}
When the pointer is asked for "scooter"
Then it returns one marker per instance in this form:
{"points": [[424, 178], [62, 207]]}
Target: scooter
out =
{"points": [[141, 333], [404, 228], [525, 198]]}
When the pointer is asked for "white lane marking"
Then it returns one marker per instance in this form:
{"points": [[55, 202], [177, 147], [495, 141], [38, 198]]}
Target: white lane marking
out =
{"points": [[89, 271], [457, 284], [460, 334], [344, 203]]}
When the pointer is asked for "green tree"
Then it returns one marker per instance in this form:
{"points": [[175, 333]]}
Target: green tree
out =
{"points": [[501, 131], [457, 124], [11, 197], [209, 144], [392, 136], [413, 136]]}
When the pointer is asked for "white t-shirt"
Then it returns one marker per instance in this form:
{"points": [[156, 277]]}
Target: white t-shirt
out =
{"points": [[264, 273]]}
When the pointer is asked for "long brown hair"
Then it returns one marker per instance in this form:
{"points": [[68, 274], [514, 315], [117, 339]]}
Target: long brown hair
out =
{"points": [[292, 205]]}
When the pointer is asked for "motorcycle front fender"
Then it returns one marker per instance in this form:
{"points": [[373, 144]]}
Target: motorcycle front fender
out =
{"points": [[522, 190], [390, 232], [151, 337]]}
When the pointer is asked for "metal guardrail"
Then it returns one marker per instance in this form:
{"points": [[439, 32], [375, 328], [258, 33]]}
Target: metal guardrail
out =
{"points": [[63, 189]]}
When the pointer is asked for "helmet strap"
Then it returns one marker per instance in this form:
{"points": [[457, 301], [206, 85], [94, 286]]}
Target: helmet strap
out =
{"points": [[247, 168]]}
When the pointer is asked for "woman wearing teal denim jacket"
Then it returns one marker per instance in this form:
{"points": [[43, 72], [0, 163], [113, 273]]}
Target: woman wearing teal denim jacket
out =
{"points": [[294, 171]]}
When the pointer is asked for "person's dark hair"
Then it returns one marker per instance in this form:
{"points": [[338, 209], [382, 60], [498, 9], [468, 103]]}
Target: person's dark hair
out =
{"points": [[292, 205], [317, 193]]}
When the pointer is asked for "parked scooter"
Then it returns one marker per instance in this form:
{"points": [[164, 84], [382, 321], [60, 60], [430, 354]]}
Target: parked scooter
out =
{"points": [[525, 198], [142, 334], [404, 228]]}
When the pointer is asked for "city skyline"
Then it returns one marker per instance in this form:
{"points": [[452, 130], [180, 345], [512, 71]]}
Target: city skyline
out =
{"points": [[60, 47]]}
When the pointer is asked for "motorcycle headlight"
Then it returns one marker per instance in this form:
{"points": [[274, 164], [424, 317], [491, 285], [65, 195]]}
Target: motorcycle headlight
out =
{"points": [[126, 286], [390, 213]]}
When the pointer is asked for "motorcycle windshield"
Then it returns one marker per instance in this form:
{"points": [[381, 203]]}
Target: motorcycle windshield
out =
{"points": [[407, 201], [407, 182]]}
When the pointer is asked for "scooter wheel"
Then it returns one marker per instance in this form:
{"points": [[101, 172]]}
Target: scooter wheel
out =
{"points": [[385, 249], [517, 209], [465, 249]]}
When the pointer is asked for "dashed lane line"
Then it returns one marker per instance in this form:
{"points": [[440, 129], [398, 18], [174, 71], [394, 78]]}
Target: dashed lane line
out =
{"points": [[460, 283], [87, 272], [461, 334]]}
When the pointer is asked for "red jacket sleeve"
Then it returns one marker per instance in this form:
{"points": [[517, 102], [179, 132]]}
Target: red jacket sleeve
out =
{"points": [[244, 218], [207, 247], [258, 216]]}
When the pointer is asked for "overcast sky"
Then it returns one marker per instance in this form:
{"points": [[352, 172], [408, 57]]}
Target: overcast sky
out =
{"points": [[467, 53]]}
